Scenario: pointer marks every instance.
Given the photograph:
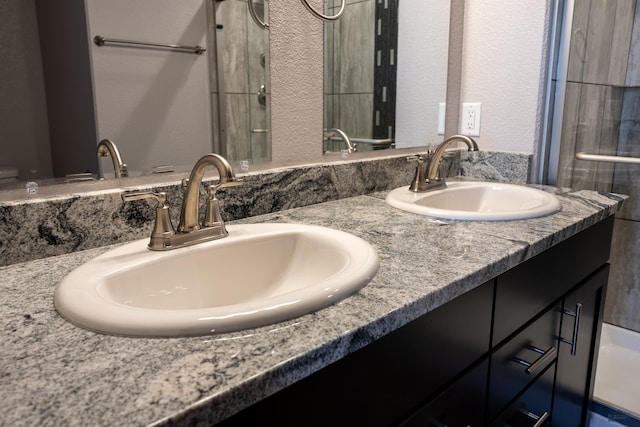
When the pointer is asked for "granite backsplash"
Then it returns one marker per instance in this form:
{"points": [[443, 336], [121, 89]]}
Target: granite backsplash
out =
{"points": [[39, 227]]}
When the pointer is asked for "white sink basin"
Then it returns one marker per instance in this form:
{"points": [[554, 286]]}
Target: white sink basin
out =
{"points": [[477, 201], [259, 274]]}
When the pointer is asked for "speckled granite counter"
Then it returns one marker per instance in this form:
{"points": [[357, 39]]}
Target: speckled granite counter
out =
{"points": [[53, 373]]}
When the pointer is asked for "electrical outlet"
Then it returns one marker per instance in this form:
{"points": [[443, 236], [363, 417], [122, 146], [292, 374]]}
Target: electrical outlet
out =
{"points": [[471, 119]]}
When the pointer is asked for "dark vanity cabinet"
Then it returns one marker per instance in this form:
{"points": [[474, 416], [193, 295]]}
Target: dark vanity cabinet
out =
{"points": [[576, 361], [519, 350]]}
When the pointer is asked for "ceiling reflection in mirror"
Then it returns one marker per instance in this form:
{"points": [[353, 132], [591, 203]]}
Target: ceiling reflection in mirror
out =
{"points": [[385, 68], [163, 108]]}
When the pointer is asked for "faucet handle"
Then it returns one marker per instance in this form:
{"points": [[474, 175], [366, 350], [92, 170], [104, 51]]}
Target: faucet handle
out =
{"points": [[162, 228], [212, 215], [419, 182], [228, 183], [140, 195], [416, 158]]}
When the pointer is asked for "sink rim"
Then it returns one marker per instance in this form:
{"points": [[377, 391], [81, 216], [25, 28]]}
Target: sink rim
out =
{"points": [[79, 298], [402, 198]]}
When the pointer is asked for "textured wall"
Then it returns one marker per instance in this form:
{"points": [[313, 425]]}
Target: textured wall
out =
{"points": [[296, 83], [504, 61]]}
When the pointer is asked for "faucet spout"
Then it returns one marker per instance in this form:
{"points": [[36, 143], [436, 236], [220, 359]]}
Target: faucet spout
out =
{"points": [[434, 161], [190, 231], [108, 147], [329, 134], [189, 218]]}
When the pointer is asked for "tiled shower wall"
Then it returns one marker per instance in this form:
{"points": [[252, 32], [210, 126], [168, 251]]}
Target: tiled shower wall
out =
{"points": [[239, 52], [602, 116], [348, 85]]}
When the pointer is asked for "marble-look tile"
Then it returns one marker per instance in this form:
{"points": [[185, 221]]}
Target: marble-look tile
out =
{"points": [[570, 129], [357, 27], [356, 114], [578, 46], [601, 36], [609, 131], [238, 128], [633, 64], [259, 140], [328, 62], [602, 19], [211, 39], [232, 15], [626, 175], [591, 124], [215, 123], [591, 110], [622, 305], [622, 30], [257, 44]]}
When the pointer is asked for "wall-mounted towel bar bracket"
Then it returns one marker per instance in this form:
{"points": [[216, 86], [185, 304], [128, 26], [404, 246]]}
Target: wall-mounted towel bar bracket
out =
{"points": [[101, 41]]}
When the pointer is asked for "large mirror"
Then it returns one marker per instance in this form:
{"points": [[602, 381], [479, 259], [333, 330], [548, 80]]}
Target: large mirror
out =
{"points": [[386, 73], [61, 93], [241, 89]]}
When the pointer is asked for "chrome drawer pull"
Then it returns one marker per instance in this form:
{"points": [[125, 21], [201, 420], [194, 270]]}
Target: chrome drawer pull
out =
{"points": [[539, 419], [540, 361], [576, 325]]}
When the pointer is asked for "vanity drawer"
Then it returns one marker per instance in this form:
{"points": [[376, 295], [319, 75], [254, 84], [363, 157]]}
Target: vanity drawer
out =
{"points": [[462, 404], [533, 407], [520, 360], [526, 290]]}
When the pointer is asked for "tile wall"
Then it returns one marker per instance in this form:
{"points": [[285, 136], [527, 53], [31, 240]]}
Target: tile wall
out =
{"points": [[602, 116], [349, 78], [242, 67]]}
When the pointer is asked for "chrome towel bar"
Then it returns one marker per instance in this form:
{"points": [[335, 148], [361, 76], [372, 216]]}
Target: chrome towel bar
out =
{"points": [[612, 159], [101, 41]]}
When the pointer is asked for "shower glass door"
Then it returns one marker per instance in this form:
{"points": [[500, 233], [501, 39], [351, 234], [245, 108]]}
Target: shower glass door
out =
{"points": [[595, 104]]}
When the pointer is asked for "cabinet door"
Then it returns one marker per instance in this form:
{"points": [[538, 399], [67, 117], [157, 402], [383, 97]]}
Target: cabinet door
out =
{"points": [[577, 359], [533, 407], [389, 379], [526, 290], [462, 404], [521, 360]]}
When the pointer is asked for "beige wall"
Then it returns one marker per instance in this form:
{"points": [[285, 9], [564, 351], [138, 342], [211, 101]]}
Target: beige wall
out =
{"points": [[504, 65]]}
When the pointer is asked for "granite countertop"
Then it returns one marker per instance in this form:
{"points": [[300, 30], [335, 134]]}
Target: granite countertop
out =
{"points": [[54, 373]]}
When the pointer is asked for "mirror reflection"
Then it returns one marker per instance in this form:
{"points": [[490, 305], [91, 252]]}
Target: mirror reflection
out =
{"points": [[62, 94], [241, 89], [385, 74]]}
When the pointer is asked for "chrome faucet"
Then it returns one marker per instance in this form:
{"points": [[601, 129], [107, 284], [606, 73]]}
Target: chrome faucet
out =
{"points": [[428, 178], [108, 147], [330, 133], [190, 231]]}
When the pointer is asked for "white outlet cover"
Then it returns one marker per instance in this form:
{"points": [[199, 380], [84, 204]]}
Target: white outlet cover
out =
{"points": [[470, 118]]}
